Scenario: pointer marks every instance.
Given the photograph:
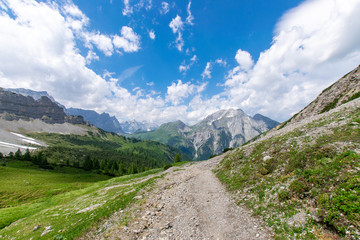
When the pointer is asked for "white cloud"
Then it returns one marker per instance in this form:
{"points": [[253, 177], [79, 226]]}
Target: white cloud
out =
{"points": [[207, 71], [129, 41], [209, 66], [164, 8], [128, 10], [102, 42], [179, 91], [221, 62], [244, 60], [91, 56], [185, 67], [176, 24], [152, 34], [190, 17], [314, 44]]}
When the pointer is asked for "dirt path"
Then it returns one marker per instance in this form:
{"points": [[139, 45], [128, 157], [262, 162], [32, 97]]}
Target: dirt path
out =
{"points": [[189, 203]]}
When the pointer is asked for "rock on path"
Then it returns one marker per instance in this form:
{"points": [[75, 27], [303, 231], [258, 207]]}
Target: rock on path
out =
{"points": [[190, 204]]}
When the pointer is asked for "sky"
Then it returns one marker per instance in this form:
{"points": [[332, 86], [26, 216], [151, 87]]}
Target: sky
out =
{"points": [[162, 61]]}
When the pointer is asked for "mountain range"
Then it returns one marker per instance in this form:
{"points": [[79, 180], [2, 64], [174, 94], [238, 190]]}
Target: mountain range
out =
{"points": [[218, 131], [223, 129]]}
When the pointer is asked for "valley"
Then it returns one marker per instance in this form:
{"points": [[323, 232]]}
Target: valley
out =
{"points": [[299, 179]]}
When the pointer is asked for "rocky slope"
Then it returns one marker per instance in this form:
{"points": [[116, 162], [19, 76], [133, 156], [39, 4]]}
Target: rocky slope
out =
{"points": [[16, 106], [223, 129], [34, 94], [103, 120], [345, 89], [304, 177]]}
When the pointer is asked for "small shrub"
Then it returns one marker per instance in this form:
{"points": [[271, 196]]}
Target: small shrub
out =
{"points": [[167, 166], [299, 187], [283, 195]]}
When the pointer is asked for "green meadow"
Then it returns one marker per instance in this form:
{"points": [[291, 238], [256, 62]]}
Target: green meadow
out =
{"points": [[66, 201]]}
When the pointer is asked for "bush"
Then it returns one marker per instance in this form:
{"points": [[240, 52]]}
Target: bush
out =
{"points": [[283, 195], [167, 166]]}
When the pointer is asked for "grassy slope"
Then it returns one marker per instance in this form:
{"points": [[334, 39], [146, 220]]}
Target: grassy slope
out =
{"points": [[304, 181], [60, 200], [169, 136], [107, 146]]}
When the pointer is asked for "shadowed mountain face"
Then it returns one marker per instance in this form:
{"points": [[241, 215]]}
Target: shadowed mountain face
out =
{"points": [[223, 129], [15, 106], [103, 121]]}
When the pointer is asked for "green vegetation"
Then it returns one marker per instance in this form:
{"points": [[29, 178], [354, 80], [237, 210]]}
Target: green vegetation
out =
{"points": [[105, 153], [302, 184], [169, 134], [68, 201], [354, 96], [175, 164], [177, 158], [331, 105]]}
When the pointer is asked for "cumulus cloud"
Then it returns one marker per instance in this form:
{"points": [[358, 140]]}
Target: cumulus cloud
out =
{"points": [[41, 54], [129, 41], [314, 44], [164, 8], [244, 60], [179, 91]]}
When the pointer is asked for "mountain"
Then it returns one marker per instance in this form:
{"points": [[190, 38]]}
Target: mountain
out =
{"points": [[16, 106], [26, 123], [103, 121], [218, 131], [34, 94], [133, 126], [305, 173]]}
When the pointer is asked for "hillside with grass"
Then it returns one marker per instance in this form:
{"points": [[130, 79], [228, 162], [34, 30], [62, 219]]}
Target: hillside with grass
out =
{"points": [[303, 178], [106, 153], [62, 203]]}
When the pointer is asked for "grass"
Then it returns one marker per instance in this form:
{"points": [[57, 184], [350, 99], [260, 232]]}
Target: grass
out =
{"points": [[71, 203], [297, 174]]}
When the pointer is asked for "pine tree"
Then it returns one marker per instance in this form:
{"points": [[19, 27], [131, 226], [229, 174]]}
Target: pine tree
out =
{"points": [[177, 158], [27, 156], [18, 154], [88, 163]]}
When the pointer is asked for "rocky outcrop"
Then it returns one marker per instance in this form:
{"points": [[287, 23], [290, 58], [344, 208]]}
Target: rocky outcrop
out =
{"points": [[103, 121], [344, 90], [15, 106]]}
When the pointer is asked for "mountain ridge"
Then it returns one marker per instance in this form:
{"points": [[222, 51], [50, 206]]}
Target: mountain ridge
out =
{"points": [[226, 128]]}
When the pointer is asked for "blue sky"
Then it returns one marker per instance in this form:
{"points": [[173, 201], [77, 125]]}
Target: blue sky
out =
{"points": [[166, 60]]}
